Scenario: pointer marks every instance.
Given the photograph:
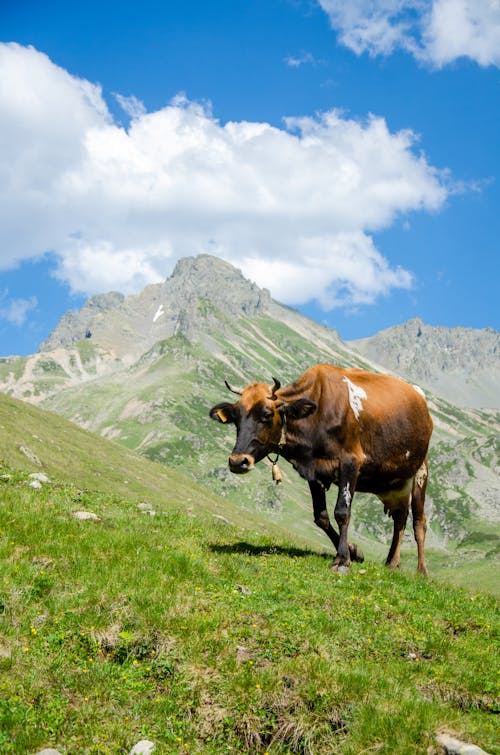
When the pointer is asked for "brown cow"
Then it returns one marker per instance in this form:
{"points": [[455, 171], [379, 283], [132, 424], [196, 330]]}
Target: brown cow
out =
{"points": [[356, 429]]}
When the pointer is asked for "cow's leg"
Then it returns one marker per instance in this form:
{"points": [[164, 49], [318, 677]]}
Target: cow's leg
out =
{"points": [[418, 514], [322, 520], [399, 517], [348, 474]]}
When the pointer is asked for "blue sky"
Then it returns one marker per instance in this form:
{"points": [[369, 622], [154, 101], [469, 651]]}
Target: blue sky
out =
{"points": [[344, 155]]}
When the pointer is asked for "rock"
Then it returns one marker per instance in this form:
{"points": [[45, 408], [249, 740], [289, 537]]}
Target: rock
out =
{"points": [[454, 746], [144, 747], [30, 455], [86, 515], [39, 477], [48, 751], [222, 518], [146, 508]]}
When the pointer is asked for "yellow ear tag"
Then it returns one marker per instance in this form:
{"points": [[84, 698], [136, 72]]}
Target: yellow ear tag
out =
{"points": [[222, 417]]}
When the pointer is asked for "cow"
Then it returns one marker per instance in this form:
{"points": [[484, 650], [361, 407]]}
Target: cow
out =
{"points": [[359, 430]]}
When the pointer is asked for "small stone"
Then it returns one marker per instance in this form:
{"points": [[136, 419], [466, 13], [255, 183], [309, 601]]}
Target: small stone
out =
{"points": [[454, 746], [40, 476], [35, 484], [221, 518], [30, 455], [48, 751], [85, 515], [144, 747], [244, 590]]}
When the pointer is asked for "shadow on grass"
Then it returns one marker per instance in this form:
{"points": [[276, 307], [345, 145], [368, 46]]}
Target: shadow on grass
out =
{"points": [[265, 550]]}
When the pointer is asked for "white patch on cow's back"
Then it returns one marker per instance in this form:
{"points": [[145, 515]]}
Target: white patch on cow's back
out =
{"points": [[159, 313], [419, 390], [356, 396]]}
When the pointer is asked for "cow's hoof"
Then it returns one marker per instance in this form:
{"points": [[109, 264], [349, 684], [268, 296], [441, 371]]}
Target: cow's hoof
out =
{"points": [[392, 565], [356, 554], [340, 569]]}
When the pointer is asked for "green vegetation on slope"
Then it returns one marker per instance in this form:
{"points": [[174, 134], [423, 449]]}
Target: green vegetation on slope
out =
{"points": [[159, 406], [205, 638], [35, 440]]}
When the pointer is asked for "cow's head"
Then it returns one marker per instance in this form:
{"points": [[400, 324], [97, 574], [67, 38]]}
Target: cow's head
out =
{"points": [[259, 416]]}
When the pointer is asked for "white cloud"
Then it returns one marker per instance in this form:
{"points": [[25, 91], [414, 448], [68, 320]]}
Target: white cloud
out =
{"points": [[16, 311], [434, 31], [305, 58], [294, 207], [131, 105], [464, 27]]}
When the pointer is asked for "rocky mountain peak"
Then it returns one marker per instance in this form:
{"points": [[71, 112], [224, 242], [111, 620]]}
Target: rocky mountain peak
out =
{"points": [[213, 279], [133, 324]]}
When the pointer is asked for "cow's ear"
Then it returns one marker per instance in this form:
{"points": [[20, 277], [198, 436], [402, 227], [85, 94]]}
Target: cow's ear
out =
{"points": [[223, 413], [299, 409]]}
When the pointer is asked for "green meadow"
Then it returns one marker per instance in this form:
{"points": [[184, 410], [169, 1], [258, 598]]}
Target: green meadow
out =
{"points": [[205, 637]]}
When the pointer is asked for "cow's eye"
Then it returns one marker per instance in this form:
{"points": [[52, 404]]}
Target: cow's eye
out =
{"points": [[267, 415]]}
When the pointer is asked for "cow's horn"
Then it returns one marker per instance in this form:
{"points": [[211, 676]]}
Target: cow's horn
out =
{"points": [[276, 387], [233, 390]]}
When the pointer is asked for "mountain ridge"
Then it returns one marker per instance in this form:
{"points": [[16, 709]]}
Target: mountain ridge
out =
{"points": [[460, 364]]}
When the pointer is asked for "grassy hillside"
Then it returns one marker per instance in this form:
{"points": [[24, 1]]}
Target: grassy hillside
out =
{"points": [[202, 638], [36, 441], [176, 617]]}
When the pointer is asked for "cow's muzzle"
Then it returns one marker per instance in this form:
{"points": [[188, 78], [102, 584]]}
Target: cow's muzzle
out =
{"points": [[241, 463]]}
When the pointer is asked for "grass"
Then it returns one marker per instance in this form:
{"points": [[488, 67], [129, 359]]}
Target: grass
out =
{"points": [[209, 638]]}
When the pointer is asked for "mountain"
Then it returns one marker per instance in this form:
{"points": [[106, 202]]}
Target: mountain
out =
{"points": [[128, 327], [461, 364], [147, 368]]}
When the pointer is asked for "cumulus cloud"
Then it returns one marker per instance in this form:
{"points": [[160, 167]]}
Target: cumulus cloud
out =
{"points": [[434, 31], [294, 207]]}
